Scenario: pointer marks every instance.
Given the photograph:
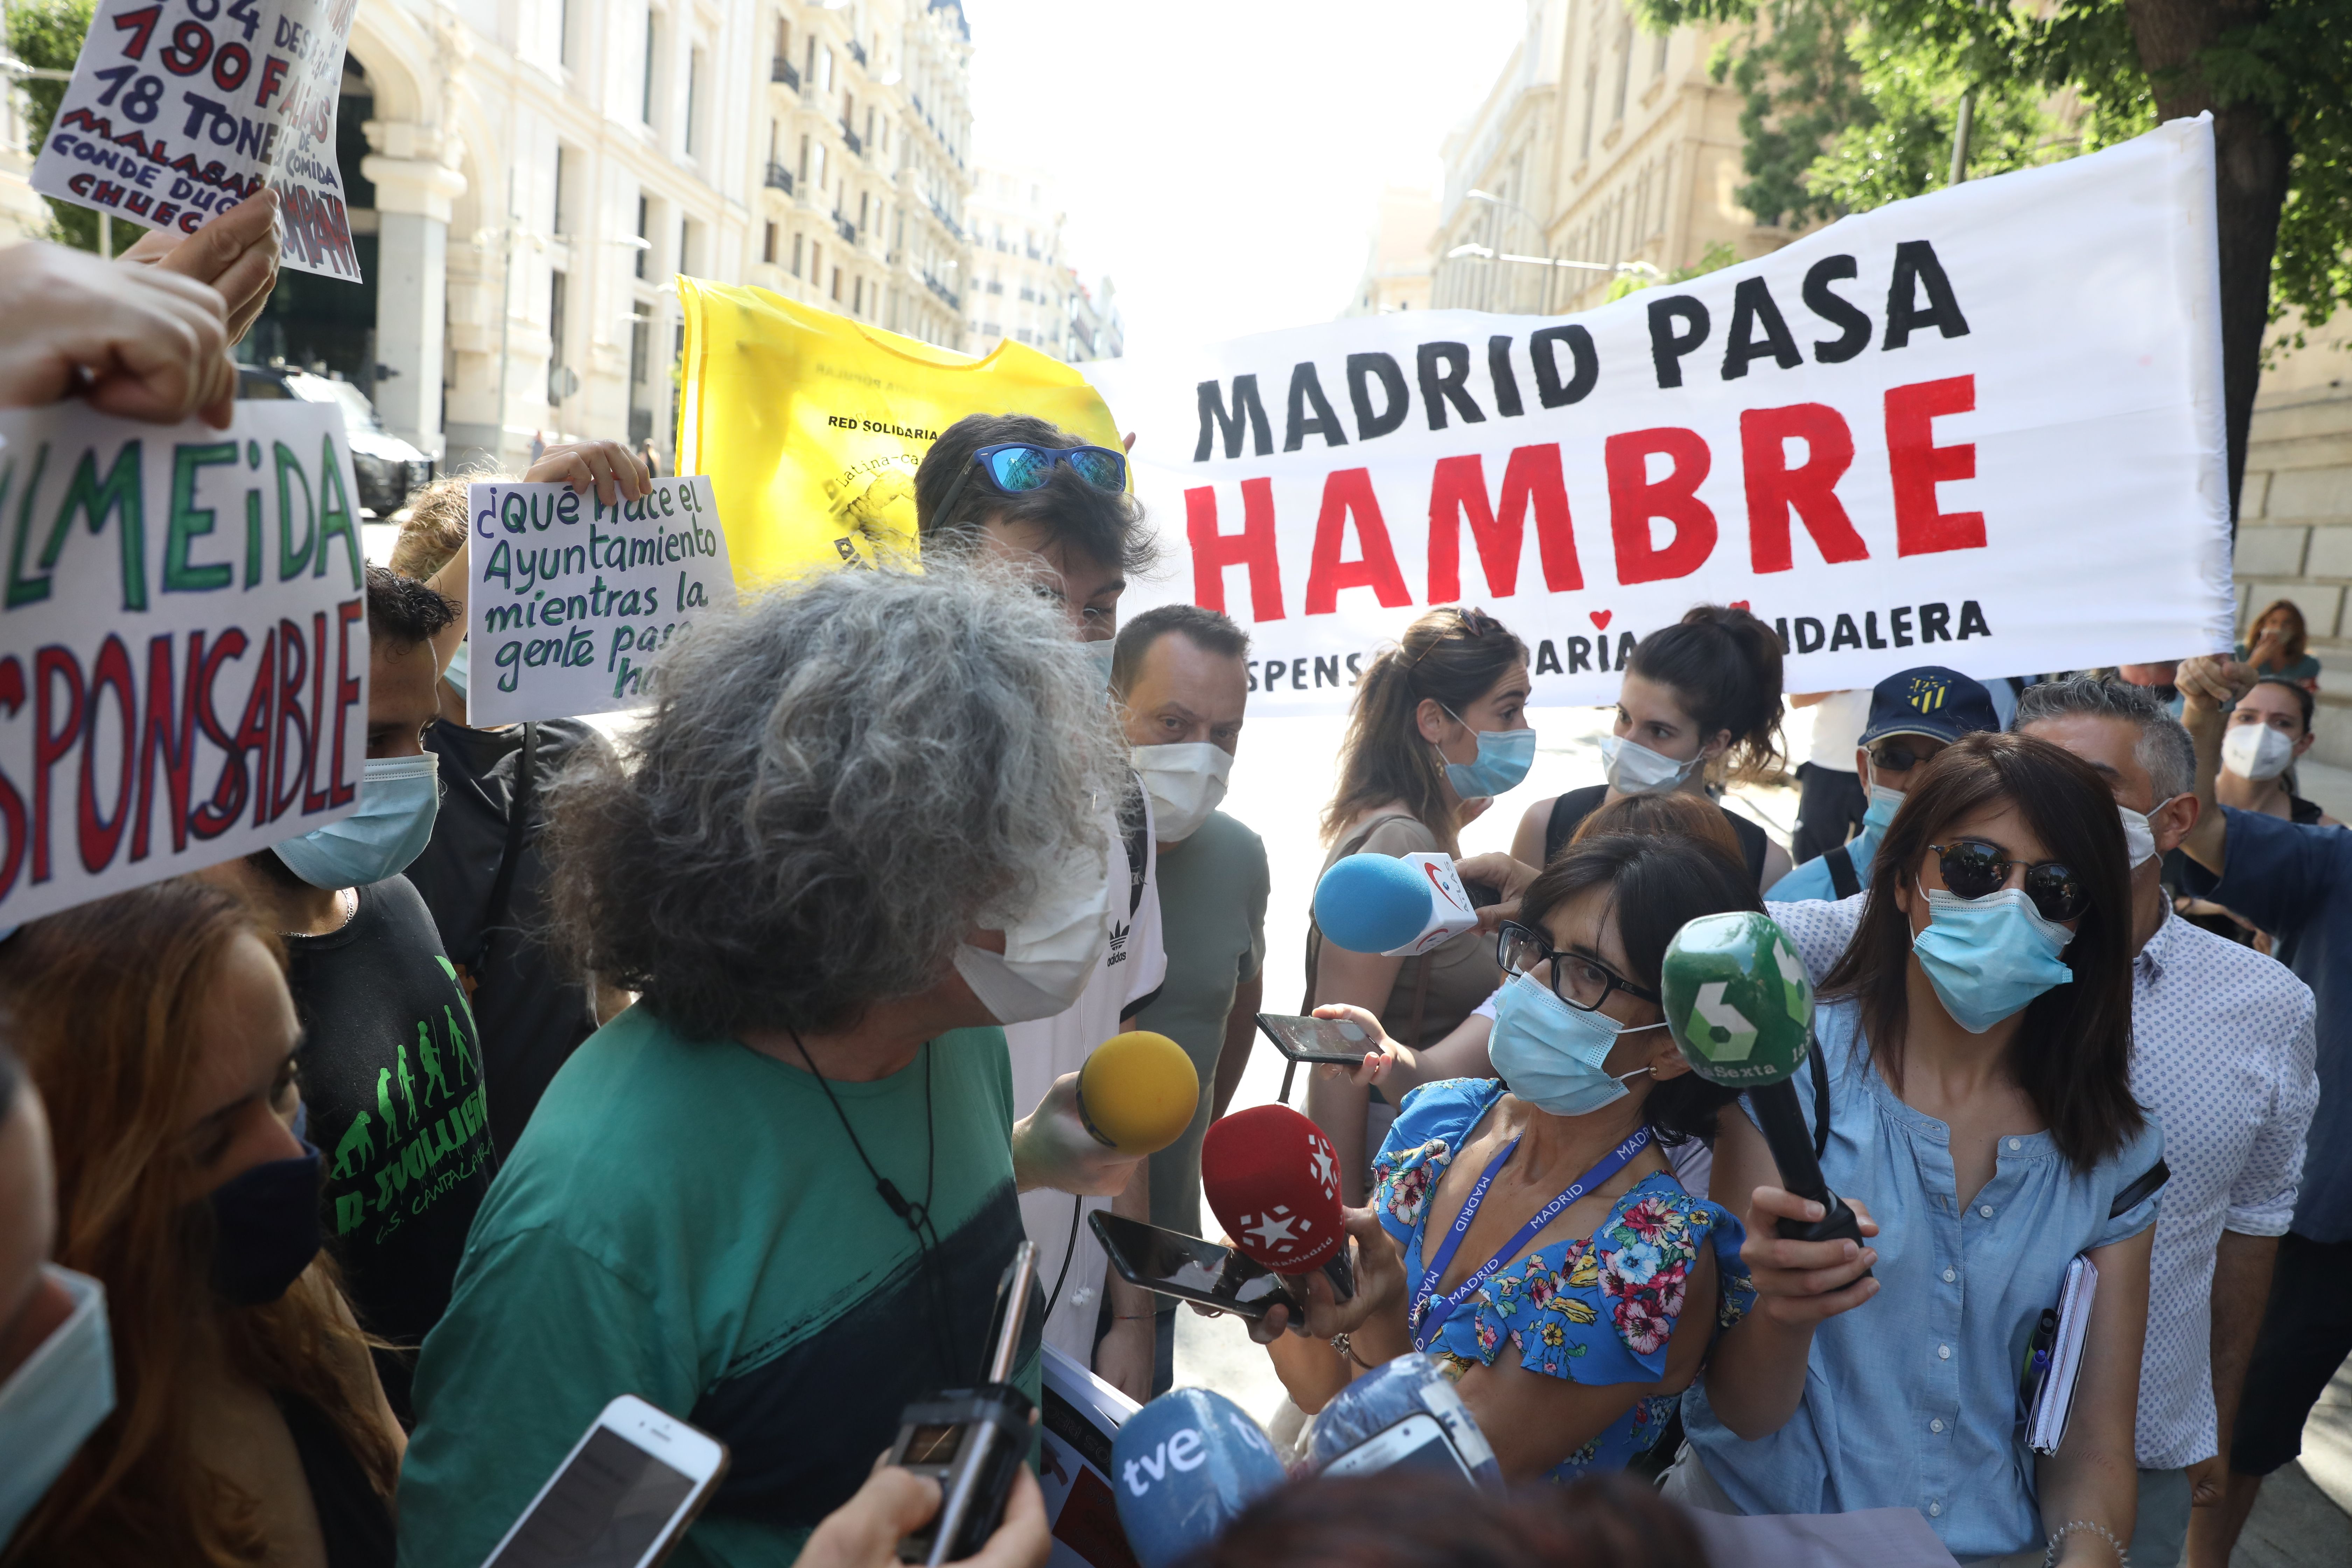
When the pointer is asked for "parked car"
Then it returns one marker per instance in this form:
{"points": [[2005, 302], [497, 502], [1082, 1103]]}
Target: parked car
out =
{"points": [[388, 469]]}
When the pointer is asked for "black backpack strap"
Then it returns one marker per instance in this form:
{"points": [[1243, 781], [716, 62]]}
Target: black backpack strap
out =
{"points": [[519, 803], [1842, 880], [2141, 1189]]}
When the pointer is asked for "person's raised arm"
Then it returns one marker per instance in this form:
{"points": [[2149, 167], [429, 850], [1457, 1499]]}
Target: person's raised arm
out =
{"points": [[2094, 1477], [1241, 1038], [2208, 685], [235, 253], [1336, 1104], [137, 341]]}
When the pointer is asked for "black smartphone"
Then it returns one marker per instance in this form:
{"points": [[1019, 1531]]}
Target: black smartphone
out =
{"points": [[1188, 1267], [1317, 1041]]}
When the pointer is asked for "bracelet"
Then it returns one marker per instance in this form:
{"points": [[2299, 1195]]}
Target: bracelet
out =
{"points": [[2049, 1555], [1135, 1317], [1341, 1343]]}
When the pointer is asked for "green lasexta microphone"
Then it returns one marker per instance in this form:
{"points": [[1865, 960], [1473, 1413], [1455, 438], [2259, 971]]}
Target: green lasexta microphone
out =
{"points": [[1738, 1004]]}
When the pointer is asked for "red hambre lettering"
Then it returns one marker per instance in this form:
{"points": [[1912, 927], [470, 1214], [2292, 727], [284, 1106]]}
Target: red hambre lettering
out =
{"points": [[1810, 489], [1634, 499], [1457, 491], [1348, 493], [1253, 549], [1915, 466]]}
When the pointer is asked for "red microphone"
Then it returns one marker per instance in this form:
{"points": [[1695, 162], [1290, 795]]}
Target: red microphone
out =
{"points": [[1273, 1182]]}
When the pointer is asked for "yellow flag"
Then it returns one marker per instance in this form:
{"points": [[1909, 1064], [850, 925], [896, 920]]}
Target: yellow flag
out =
{"points": [[810, 426]]}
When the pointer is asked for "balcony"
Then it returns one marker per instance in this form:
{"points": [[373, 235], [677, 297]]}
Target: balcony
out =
{"points": [[949, 223], [848, 230], [783, 70], [856, 145], [780, 178], [947, 296], [857, 53]]}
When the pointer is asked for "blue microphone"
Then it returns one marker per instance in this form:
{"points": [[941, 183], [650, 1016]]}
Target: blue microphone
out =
{"points": [[1394, 905], [1406, 1415], [1183, 1466]]}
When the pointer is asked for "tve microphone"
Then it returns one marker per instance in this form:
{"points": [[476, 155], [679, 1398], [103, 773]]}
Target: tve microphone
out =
{"points": [[1273, 1182], [1137, 1092], [1405, 1413], [1183, 1466], [1738, 1004], [1394, 905]]}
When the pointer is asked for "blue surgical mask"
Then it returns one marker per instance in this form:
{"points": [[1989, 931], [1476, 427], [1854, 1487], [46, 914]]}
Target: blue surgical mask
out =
{"points": [[1554, 1056], [1101, 652], [1884, 803], [1988, 957], [461, 666], [1504, 758], [1631, 768], [50, 1405], [399, 797], [266, 1228]]}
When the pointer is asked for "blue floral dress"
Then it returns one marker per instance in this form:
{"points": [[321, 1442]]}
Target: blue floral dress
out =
{"points": [[1596, 1311]]}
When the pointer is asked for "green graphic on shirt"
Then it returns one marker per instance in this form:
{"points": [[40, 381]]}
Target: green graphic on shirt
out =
{"points": [[429, 1131]]}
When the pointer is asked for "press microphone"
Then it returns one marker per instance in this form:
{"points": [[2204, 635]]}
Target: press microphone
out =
{"points": [[1738, 1004], [1273, 1181], [1395, 905], [1137, 1092], [1405, 1411], [1183, 1466]]}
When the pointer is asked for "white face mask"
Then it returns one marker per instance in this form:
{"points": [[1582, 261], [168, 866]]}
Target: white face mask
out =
{"points": [[1051, 950], [1633, 768], [1186, 780], [2256, 752], [51, 1405], [2139, 836]]}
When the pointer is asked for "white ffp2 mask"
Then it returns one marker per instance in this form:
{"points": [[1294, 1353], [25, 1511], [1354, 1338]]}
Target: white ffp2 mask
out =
{"points": [[2256, 752], [1185, 781], [1052, 950]]}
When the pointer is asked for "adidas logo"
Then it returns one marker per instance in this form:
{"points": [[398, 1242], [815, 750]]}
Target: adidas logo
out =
{"points": [[1117, 944]]}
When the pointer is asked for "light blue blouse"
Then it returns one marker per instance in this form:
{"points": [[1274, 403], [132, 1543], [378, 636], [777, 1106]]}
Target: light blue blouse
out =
{"points": [[1911, 1399]]}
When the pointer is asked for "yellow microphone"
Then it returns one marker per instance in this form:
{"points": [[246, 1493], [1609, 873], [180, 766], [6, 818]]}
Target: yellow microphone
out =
{"points": [[1137, 1092]]}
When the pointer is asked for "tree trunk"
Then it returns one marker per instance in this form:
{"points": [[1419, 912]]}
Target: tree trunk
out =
{"points": [[2251, 151]]}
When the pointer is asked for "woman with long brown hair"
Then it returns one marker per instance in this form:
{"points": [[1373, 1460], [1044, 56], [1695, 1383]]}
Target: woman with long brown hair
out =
{"points": [[1977, 1037], [248, 1425], [1437, 728]]}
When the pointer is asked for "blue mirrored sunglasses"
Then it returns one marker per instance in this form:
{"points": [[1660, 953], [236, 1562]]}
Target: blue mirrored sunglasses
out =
{"points": [[1016, 467]]}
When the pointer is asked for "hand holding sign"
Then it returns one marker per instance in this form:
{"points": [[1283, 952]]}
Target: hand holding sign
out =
{"points": [[235, 252], [141, 342]]}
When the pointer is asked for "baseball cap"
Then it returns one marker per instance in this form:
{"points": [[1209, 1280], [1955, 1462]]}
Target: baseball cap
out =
{"points": [[1941, 704]]}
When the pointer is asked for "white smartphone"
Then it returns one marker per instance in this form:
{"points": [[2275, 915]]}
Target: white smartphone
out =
{"points": [[622, 1496], [1416, 1443]]}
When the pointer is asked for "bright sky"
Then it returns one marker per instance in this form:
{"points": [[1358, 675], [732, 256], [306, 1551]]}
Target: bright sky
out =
{"points": [[1221, 160]]}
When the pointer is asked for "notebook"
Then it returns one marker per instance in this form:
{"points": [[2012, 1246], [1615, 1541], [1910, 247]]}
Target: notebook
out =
{"points": [[2054, 1363]]}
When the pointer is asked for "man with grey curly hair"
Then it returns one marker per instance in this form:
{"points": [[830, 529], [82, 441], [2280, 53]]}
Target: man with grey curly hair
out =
{"points": [[775, 1196]]}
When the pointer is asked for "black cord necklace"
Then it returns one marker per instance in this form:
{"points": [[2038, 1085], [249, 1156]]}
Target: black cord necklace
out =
{"points": [[916, 1217]]}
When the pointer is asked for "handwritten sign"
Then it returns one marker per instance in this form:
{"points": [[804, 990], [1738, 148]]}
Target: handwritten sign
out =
{"points": [[572, 601], [184, 645], [179, 108]]}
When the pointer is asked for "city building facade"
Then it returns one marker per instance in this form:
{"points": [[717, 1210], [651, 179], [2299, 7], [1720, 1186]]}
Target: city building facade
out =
{"points": [[1024, 287], [1397, 267]]}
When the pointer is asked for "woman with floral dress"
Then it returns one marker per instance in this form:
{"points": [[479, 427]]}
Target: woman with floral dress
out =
{"points": [[1529, 1234]]}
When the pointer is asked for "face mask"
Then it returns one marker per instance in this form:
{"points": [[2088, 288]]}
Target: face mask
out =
{"points": [[55, 1401], [2139, 837], [1988, 957], [398, 799], [1884, 803], [266, 1222], [1552, 1054], [461, 666], [2256, 752], [1051, 951], [1633, 768], [1504, 758], [1185, 781], [1100, 652]]}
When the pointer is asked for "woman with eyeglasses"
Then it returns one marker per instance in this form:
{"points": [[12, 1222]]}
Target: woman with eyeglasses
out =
{"points": [[1978, 1040], [1529, 1233], [1437, 729], [1699, 699]]}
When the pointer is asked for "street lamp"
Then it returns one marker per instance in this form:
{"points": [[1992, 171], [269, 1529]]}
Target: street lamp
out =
{"points": [[1504, 202], [1488, 253]]}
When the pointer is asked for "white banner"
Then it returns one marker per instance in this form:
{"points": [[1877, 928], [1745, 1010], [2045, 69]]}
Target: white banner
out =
{"points": [[572, 601], [180, 108], [184, 645], [1981, 430]]}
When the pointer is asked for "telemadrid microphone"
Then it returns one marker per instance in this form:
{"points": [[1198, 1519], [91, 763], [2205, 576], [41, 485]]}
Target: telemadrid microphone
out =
{"points": [[1137, 1092], [1364, 1413], [1273, 1181], [1395, 905], [1738, 1004], [1183, 1466]]}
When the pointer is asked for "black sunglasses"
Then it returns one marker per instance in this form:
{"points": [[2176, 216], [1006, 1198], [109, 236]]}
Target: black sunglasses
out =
{"points": [[1583, 982], [1895, 757], [1975, 869]]}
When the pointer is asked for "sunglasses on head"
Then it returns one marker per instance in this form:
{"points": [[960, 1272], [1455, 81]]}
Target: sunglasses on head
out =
{"points": [[1975, 869], [1016, 468]]}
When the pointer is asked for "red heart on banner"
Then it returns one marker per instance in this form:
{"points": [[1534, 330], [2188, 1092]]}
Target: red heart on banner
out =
{"points": [[1600, 619], [1738, 604]]}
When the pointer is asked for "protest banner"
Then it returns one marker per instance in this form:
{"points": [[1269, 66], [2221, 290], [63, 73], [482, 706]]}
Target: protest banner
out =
{"points": [[184, 646], [813, 426], [1981, 428], [180, 108], [571, 602]]}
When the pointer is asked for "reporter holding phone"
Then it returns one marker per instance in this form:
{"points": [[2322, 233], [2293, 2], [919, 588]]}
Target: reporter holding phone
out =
{"points": [[775, 1196]]}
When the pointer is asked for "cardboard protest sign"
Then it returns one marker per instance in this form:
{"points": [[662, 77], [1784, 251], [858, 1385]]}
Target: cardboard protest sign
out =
{"points": [[813, 425], [184, 645], [179, 108], [1981, 428], [571, 602]]}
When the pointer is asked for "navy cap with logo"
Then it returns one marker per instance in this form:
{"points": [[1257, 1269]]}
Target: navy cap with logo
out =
{"points": [[1941, 704]]}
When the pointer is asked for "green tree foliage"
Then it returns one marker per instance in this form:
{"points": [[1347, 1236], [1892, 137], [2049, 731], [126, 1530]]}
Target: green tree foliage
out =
{"points": [[46, 35]]}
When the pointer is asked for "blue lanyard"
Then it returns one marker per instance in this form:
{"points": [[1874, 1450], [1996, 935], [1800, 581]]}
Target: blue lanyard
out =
{"points": [[1427, 1315]]}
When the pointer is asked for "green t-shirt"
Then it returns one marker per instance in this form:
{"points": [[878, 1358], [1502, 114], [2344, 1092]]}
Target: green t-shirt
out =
{"points": [[1212, 890], [685, 1221]]}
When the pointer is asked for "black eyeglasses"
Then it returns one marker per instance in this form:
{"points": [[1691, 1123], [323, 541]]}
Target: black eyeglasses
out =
{"points": [[1975, 869], [1897, 757], [1583, 982]]}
